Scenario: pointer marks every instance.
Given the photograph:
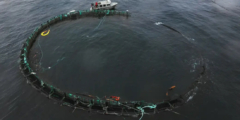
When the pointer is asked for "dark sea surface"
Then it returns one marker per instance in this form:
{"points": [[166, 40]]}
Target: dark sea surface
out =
{"points": [[133, 57]]}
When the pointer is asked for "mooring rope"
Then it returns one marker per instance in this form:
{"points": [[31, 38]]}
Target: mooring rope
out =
{"points": [[102, 20]]}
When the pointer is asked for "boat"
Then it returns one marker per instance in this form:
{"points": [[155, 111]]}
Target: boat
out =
{"points": [[103, 5]]}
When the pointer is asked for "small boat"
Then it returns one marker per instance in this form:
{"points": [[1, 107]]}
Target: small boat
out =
{"points": [[103, 5]]}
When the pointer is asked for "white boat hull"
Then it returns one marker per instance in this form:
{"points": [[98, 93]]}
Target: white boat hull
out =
{"points": [[112, 6]]}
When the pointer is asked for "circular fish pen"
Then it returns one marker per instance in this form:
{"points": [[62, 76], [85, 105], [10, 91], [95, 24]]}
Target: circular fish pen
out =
{"points": [[92, 103]]}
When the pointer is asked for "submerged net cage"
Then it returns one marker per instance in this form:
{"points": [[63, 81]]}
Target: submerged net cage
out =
{"points": [[91, 103]]}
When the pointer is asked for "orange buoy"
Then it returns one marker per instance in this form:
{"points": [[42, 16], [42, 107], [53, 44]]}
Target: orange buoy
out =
{"points": [[171, 88], [115, 97]]}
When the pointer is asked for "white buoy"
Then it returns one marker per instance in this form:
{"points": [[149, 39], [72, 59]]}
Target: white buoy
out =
{"points": [[33, 73]]}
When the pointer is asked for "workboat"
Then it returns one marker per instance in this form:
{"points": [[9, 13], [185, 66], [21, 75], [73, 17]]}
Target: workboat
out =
{"points": [[103, 5]]}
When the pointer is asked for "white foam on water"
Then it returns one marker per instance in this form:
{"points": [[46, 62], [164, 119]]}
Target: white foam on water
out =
{"points": [[158, 23], [194, 67], [191, 97], [192, 93]]}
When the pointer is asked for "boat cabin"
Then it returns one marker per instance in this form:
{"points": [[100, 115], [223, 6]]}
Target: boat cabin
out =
{"points": [[107, 4]]}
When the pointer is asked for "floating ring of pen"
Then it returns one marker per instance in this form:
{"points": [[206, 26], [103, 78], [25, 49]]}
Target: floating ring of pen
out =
{"points": [[109, 105]]}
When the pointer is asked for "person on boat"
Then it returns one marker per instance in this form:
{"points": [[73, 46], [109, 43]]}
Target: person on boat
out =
{"points": [[96, 4]]}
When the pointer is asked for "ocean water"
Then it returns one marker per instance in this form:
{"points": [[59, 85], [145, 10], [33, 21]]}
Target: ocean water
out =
{"points": [[135, 58]]}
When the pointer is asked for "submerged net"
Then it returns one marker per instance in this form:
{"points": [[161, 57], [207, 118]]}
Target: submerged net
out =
{"points": [[108, 106]]}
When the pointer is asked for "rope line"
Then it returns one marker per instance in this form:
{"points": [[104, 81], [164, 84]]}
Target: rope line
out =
{"points": [[41, 52], [40, 62], [102, 20], [173, 29]]}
